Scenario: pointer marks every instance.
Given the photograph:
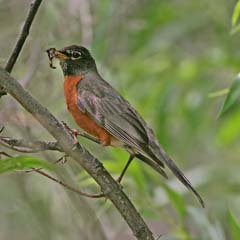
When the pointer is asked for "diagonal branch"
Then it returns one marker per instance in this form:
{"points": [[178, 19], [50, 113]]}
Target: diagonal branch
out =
{"points": [[21, 39], [111, 189], [23, 35]]}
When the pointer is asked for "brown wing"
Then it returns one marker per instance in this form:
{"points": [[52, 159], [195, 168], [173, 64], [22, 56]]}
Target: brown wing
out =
{"points": [[112, 112]]}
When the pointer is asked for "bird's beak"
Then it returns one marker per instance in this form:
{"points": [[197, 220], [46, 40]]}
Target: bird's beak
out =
{"points": [[60, 55], [54, 53]]}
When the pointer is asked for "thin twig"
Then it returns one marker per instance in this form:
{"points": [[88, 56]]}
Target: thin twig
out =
{"points": [[5, 154], [21, 39], [61, 159], [41, 172], [100, 195], [24, 146], [23, 35]]}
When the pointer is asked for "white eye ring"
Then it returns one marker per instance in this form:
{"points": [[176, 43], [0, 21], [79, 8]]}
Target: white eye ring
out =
{"points": [[75, 55]]}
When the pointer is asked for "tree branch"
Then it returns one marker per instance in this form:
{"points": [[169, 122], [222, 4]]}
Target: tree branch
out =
{"points": [[23, 35], [21, 39], [89, 195], [111, 189], [41, 172], [24, 146]]}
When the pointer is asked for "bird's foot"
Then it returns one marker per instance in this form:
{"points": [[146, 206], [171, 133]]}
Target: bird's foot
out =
{"points": [[74, 133]]}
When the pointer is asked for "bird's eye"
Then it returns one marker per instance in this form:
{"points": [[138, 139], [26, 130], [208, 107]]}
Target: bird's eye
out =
{"points": [[76, 55]]}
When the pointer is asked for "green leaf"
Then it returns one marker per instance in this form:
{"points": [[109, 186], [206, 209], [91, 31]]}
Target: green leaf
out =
{"points": [[219, 93], [234, 226], [177, 200], [236, 13], [232, 99], [22, 163], [230, 129]]}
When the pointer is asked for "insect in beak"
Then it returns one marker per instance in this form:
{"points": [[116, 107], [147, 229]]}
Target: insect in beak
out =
{"points": [[51, 55], [54, 53]]}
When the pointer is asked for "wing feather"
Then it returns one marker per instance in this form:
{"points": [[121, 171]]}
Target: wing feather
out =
{"points": [[114, 114]]}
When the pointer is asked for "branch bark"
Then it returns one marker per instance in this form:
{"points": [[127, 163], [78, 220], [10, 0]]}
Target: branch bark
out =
{"points": [[22, 145], [111, 189], [21, 39]]}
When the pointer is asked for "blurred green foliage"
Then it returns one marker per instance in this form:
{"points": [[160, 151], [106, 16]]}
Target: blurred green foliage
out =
{"points": [[22, 163], [232, 98], [166, 58], [235, 17], [234, 226]]}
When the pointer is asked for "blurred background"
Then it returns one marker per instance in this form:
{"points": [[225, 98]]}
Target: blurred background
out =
{"points": [[168, 58]]}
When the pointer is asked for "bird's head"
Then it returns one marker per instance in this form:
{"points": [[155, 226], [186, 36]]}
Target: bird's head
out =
{"points": [[74, 59]]}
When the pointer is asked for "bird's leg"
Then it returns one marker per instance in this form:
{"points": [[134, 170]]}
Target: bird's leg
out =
{"points": [[75, 133], [126, 167]]}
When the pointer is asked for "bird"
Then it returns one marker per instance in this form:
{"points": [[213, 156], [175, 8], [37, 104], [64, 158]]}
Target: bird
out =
{"points": [[104, 114]]}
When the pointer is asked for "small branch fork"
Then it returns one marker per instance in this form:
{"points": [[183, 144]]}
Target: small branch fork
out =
{"points": [[24, 146], [41, 172]]}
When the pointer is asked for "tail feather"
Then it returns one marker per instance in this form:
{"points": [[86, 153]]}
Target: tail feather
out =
{"points": [[156, 166], [179, 174]]}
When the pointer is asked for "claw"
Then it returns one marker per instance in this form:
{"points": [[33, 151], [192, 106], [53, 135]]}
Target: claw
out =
{"points": [[74, 133]]}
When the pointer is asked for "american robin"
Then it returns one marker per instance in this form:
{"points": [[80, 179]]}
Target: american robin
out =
{"points": [[103, 113]]}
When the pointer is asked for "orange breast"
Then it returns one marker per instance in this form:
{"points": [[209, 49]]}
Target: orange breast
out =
{"points": [[82, 119]]}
